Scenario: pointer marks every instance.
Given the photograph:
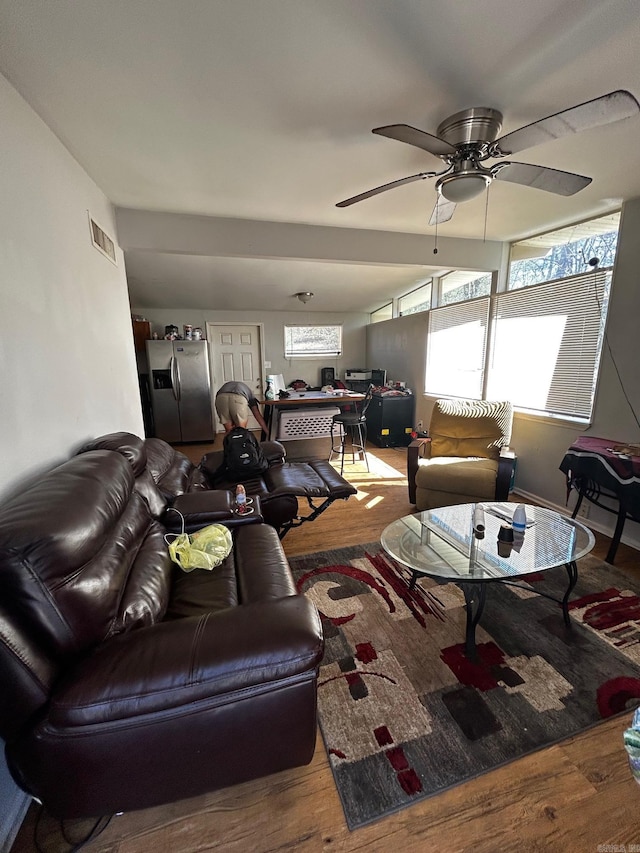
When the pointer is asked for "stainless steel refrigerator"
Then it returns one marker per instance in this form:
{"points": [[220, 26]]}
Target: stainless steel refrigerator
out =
{"points": [[180, 390]]}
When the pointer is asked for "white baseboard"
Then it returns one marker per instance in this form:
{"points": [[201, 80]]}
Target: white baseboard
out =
{"points": [[607, 529]]}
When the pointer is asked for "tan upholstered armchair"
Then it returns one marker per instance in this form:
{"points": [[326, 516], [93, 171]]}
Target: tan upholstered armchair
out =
{"points": [[466, 458]]}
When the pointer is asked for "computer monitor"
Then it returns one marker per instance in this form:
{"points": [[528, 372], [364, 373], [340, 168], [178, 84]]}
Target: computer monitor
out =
{"points": [[328, 376]]}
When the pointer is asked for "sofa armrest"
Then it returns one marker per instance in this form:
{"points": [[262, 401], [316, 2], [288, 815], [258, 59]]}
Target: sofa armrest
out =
{"points": [[506, 465], [274, 451], [201, 508], [200, 659], [419, 447], [198, 482], [171, 470]]}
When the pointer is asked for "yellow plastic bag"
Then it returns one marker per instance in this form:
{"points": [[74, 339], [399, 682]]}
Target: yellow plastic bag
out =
{"points": [[204, 549]]}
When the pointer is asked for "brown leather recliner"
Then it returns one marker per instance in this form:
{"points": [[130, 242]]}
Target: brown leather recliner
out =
{"points": [[127, 683], [278, 488]]}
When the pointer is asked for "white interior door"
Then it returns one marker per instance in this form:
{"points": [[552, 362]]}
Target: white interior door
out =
{"points": [[236, 354]]}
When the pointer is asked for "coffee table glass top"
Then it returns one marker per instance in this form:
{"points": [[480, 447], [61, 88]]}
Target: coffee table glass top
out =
{"points": [[441, 543]]}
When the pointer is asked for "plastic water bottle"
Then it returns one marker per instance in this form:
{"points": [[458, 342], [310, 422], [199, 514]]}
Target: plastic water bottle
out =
{"points": [[520, 519], [241, 500]]}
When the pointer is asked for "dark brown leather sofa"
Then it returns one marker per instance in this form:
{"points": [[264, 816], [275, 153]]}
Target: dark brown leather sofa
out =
{"points": [[126, 683], [278, 488]]}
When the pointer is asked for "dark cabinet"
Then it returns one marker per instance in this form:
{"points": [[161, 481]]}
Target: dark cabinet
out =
{"points": [[141, 333], [390, 421]]}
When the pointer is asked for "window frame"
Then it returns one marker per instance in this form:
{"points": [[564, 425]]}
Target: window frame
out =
{"points": [[601, 278], [471, 276], [377, 311], [292, 353], [425, 284]]}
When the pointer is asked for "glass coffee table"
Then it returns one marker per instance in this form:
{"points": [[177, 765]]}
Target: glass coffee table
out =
{"points": [[441, 544]]}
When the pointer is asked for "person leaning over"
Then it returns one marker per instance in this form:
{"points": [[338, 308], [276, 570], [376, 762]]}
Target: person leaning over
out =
{"points": [[234, 401]]}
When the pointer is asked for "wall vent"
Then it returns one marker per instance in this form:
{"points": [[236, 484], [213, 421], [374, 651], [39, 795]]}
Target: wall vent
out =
{"points": [[102, 241]]}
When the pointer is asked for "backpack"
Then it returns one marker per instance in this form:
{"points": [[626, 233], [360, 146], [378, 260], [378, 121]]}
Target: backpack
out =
{"points": [[243, 456]]}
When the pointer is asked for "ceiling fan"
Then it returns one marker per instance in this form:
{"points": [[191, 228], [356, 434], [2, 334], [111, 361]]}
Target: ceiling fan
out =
{"points": [[467, 139]]}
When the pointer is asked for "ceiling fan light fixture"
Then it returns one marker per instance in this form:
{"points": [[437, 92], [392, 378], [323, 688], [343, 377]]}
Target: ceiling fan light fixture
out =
{"points": [[304, 296], [460, 188], [466, 139]]}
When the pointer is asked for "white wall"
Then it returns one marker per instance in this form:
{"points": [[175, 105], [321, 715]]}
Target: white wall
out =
{"points": [[67, 366], [353, 336], [399, 345], [67, 360]]}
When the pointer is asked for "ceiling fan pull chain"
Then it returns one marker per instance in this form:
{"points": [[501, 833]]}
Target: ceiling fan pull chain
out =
{"points": [[486, 213], [435, 243]]}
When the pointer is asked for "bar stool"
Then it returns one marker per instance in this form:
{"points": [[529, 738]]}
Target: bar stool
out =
{"points": [[355, 423]]}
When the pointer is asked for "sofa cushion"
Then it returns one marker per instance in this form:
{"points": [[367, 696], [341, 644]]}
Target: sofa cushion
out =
{"points": [[172, 471], [273, 580], [297, 478], [130, 445], [470, 428], [81, 557], [461, 476], [134, 449], [202, 591]]}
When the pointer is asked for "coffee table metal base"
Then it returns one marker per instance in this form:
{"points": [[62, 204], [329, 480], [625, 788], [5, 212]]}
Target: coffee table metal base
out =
{"points": [[475, 595]]}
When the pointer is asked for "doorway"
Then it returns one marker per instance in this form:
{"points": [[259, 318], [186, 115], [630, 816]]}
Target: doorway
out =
{"points": [[235, 353]]}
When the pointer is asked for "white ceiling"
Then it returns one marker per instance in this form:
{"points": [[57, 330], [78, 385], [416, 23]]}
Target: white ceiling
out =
{"points": [[263, 109]]}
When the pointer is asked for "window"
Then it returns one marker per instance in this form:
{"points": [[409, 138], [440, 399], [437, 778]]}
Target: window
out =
{"points": [[539, 343], [547, 343], [312, 341], [456, 349], [565, 252], [418, 300], [384, 313], [462, 285]]}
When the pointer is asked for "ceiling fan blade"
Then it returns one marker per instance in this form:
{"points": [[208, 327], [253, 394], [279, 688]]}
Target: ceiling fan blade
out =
{"points": [[542, 178], [419, 138], [443, 211], [604, 110], [384, 188]]}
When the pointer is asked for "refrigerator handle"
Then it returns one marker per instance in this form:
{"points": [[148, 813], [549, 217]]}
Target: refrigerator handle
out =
{"points": [[175, 378]]}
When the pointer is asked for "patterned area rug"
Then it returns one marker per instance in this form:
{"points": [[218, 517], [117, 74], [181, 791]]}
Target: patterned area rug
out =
{"points": [[405, 715]]}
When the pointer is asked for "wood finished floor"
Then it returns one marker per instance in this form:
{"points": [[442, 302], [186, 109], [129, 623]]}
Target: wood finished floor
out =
{"points": [[573, 796]]}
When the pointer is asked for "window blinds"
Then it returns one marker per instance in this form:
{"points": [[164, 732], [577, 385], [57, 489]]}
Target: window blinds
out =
{"points": [[456, 348], [547, 342]]}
